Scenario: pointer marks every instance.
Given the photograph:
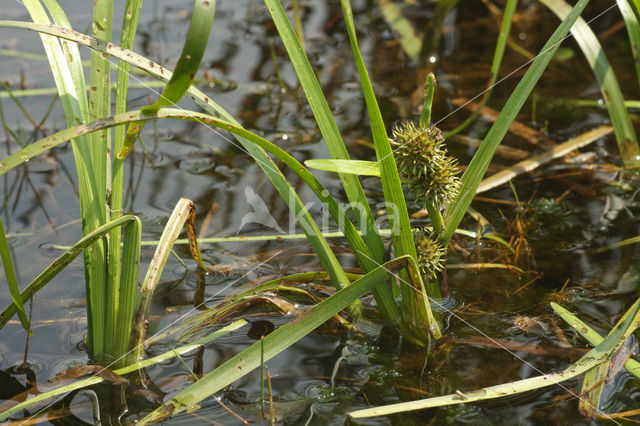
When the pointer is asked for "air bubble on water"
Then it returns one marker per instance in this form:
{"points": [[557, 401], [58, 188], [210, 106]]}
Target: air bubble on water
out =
{"points": [[433, 59], [600, 102], [285, 137]]}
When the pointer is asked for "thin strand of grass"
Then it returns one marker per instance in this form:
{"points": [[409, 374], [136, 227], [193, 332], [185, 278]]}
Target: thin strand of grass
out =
{"points": [[274, 343], [593, 103], [625, 242], [414, 312], [327, 126], [611, 93], [53, 90], [9, 93], [12, 282], [478, 166], [42, 397], [593, 337], [276, 237], [321, 247], [69, 78], [61, 262], [128, 291], [591, 359], [105, 286], [633, 30], [498, 55], [123, 281], [186, 68], [297, 19]]}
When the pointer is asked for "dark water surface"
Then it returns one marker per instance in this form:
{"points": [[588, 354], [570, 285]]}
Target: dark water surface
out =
{"points": [[569, 208]]}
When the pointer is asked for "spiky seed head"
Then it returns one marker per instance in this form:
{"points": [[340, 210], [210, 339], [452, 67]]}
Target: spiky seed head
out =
{"points": [[430, 252], [424, 165]]}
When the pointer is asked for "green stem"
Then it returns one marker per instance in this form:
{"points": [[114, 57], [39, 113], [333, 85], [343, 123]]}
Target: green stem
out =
{"points": [[429, 89]]}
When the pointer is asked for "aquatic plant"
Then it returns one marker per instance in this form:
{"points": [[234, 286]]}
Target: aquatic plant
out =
{"points": [[112, 284]]}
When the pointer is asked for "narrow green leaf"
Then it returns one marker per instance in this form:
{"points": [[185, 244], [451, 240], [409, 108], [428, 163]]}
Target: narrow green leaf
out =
{"points": [[127, 291], [478, 166], [353, 167], [415, 310], [186, 68], [12, 282], [123, 281], [611, 93], [274, 343], [633, 30]]}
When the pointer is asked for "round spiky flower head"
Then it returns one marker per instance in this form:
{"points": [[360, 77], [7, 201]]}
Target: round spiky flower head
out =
{"points": [[430, 252], [424, 165]]}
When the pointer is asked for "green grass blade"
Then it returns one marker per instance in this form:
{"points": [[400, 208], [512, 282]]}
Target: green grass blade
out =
{"points": [[122, 281], [611, 93], [186, 68], [353, 167], [42, 397], [144, 85], [326, 123], [402, 237], [633, 30], [12, 282], [503, 36], [72, 52], [478, 166], [104, 287], [127, 291], [61, 262], [591, 359], [274, 343]]}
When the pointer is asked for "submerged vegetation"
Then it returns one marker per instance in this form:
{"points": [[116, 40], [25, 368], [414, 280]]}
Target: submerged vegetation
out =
{"points": [[406, 273]]}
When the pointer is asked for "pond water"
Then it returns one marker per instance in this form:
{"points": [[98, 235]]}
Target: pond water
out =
{"points": [[554, 218]]}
